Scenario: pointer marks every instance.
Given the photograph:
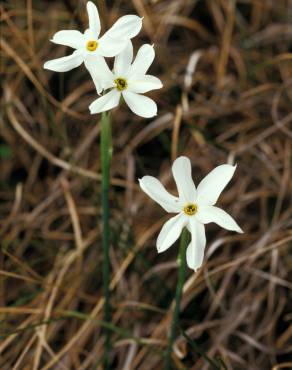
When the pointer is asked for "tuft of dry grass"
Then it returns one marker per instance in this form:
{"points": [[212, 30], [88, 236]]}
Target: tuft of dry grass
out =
{"points": [[235, 107]]}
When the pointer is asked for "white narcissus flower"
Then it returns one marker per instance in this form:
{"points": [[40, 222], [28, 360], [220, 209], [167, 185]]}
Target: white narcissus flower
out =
{"points": [[89, 48], [194, 207], [128, 80]]}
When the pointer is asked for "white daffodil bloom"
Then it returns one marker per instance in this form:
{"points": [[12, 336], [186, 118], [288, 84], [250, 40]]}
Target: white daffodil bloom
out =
{"points": [[194, 207], [128, 80], [89, 48]]}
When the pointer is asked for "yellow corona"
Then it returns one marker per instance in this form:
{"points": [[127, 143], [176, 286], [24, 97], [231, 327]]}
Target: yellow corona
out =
{"points": [[91, 45], [190, 209], [121, 83]]}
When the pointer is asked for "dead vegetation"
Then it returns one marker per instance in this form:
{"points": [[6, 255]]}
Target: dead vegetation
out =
{"points": [[235, 107]]}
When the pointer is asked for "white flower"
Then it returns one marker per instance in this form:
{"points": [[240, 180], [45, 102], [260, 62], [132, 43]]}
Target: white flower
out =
{"points": [[128, 80], [194, 207], [89, 45]]}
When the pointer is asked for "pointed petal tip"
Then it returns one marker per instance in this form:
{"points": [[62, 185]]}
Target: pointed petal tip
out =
{"points": [[195, 268], [47, 66], [181, 158], [89, 4], [142, 180], [236, 228], [91, 109], [231, 165]]}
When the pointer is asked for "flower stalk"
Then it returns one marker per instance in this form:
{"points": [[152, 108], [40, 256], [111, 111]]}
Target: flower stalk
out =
{"points": [[184, 241], [106, 154]]}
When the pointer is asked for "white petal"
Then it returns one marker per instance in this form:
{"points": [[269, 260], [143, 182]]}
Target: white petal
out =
{"points": [[71, 38], [144, 84], [88, 35], [100, 73], [93, 17], [110, 47], [182, 173], [209, 214], [106, 102], [211, 186], [143, 60], [125, 27], [140, 105], [155, 190], [170, 232], [124, 60], [66, 63], [195, 250]]}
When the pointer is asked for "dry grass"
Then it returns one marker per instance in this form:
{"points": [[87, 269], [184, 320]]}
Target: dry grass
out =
{"points": [[235, 107]]}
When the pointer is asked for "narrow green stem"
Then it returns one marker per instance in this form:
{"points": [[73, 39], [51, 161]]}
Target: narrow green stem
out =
{"points": [[106, 154], [179, 288]]}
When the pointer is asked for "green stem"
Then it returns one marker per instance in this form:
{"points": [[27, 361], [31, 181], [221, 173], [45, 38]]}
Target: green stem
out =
{"points": [[179, 288], [106, 154]]}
